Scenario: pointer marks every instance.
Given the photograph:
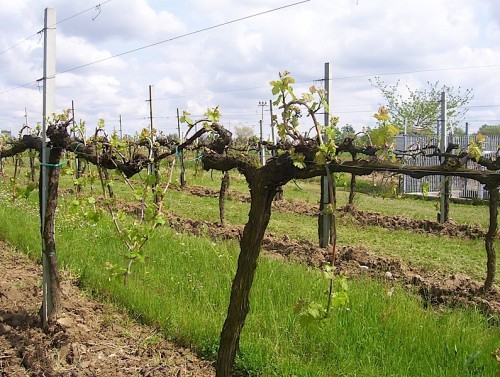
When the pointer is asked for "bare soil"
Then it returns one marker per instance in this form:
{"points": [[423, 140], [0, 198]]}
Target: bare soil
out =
{"points": [[357, 216], [89, 339]]}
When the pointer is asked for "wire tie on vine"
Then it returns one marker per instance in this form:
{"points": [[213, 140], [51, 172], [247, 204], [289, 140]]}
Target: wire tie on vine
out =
{"points": [[54, 165]]}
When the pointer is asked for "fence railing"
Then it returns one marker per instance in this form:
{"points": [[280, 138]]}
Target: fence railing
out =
{"points": [[460, 187]]}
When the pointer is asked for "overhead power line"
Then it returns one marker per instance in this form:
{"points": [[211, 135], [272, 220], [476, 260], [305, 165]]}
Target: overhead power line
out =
{"points": [[97, 6], [165, 41], [417, 71], [184, 35]]}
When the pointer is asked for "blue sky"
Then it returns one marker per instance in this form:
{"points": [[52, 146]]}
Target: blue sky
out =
{"points": [[455, 42]]}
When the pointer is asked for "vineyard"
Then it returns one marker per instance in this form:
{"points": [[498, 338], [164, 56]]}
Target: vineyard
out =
{"points": [[168, 231]]}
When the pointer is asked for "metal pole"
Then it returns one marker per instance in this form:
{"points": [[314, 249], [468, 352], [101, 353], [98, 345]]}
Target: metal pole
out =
{"points": [[181, 154], [152, 153], [325, 219], [465, 143], [26, 117], [262, 150], [73, 112], [442, 147], [262, 157], [405, 135], [273, 139], [121, 131], [151, 109], [49, 71]]}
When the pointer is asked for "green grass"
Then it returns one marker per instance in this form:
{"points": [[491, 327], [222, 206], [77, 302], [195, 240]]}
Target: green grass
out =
{"points": [[449, 255], [184, 287], [309, 190]]}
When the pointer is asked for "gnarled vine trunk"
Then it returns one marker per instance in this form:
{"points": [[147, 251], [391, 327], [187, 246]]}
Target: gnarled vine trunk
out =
{"points": [[51, 307], [489, 240], [352, 189], [224, 187], [239, 304]]}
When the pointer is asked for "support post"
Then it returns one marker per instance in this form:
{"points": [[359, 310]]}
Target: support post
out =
{"points": [[261, 137], [442, 147], [151, 109], [273, 138], [153, 168], [405, 135], [324, 219], [121, 130], [181, 153], [49, 71], [465, 143]]}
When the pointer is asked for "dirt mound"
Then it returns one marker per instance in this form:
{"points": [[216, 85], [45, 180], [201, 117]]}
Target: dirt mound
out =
{"points": [[361, 217], [90, 339], [207, 192], [455, 290], [449, 229]]}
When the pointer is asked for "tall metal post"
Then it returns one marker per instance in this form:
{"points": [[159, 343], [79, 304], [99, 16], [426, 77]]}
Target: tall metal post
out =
{"points": [[273, 138], [465, 143], [73, 112], [262, 150], [442, 147], [324, 220], [49, 85], [26, 117], [121, 130], [153, 168], [181, 154], [405, 135]]}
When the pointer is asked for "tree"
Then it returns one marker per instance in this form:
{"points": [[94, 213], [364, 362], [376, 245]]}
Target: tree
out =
{"points": [[243, 133], [420, 109], [345, 131], [490, 130]]}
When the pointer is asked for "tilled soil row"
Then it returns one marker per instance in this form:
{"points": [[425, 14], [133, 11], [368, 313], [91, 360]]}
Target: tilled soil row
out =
{"points": [[452, 290], [361, 217], [89, 338]]}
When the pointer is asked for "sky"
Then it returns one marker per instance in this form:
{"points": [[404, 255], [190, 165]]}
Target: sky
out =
{"points": [[225, 52]]}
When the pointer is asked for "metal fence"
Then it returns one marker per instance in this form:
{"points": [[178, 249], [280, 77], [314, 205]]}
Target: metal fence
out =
{"points": [[460, 187]]}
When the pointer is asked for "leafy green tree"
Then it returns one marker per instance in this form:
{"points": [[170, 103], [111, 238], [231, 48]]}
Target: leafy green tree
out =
{"points": [[243, 134], [345, 131], [490, 130], [421, 109]]}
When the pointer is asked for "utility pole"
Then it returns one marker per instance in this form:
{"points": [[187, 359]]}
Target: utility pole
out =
{"points": [[324, 220], [49, 87], [262, 104]]}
